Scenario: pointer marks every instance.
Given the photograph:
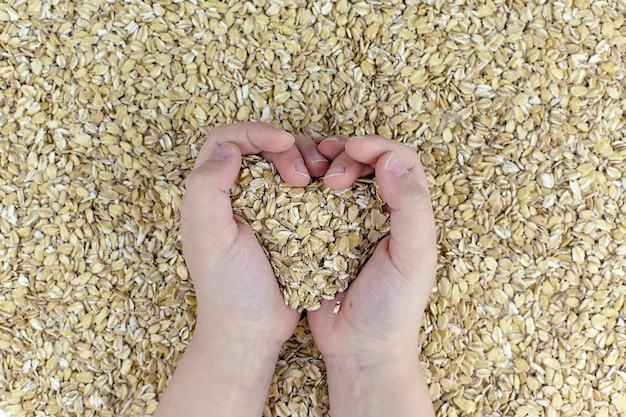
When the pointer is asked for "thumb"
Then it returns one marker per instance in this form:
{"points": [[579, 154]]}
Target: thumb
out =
{"points": [[206, 206], [413, 232]]}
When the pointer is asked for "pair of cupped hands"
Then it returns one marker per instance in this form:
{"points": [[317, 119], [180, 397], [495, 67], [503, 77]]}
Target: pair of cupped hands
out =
{"points": [[237, 294]]}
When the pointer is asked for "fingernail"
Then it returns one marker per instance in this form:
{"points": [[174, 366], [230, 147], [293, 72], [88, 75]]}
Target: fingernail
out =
{"points": [[394, 166], [328, 140], [316, 156], [223, 152], [301, 168], [335, 170]]}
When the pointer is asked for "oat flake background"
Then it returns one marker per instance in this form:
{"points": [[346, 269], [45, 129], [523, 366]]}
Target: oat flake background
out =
{"points": [[517, 110]]}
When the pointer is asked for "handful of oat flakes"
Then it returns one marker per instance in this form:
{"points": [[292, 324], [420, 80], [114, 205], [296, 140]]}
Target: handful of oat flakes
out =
{"points": [[316, 238]]}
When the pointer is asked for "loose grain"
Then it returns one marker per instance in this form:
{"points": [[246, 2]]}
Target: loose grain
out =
{"points": [[316, 238], [516, 108]]}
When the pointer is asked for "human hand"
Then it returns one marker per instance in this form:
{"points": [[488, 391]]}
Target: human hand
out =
{"points": [[242, 318], [237, 293], [382, 309], [370, 345]]}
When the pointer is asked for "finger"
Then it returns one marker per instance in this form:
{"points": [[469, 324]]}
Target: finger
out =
{"points": [[331, 147], [344, 171], [411, 216], [316, 163], [249, 137], [369, 149], [290, 165], [300, 162], [402, 182], [206, 204]]}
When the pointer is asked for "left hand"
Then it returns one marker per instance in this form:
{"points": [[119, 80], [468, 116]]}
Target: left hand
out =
{"points": [[239, 302]]}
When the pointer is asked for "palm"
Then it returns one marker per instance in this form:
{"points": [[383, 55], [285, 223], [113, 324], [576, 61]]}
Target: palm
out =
{"points": [[384, 305], [260, 297], [378, 299], [237, 293], [254, 298]]}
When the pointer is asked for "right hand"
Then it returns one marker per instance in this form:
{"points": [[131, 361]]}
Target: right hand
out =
{"points": [[381, 312]]}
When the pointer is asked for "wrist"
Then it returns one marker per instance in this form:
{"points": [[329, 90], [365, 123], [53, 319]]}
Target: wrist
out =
{"points": [[242, 352], [378, 385], [370, 362], [218, 376], [358, 355], [239, 343]]}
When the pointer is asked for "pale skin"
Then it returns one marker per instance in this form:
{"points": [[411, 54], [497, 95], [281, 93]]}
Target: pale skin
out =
{"points": [[370, 346]]}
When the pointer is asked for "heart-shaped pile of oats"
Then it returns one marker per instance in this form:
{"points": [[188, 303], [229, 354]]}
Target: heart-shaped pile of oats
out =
{"points": [[316, 238]]}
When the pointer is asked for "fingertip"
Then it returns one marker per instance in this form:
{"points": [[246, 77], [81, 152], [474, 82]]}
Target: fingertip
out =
{"points": [[393, 165], [399, 186], [352, 147], [318, 169], [336, 183], [296, 175], [301, 169], [227, 159], [274, 139], [330, 140], [336, 177], [331, 147], [315, 156], [336, 169], [298, 180], [316, 163], [223, 151], [281, 143], [287, 137]]}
